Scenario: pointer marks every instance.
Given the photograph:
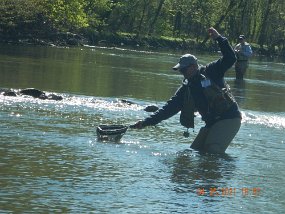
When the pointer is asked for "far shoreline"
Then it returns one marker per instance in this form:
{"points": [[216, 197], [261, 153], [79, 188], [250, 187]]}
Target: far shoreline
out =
{"points": [[125, 41]]}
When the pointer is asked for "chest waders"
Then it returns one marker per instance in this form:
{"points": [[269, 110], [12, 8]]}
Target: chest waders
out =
{"points": [[219, 101]]}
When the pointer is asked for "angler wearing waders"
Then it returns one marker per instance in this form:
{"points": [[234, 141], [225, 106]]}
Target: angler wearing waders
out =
{"points": [[204, 90], [243, 53]]}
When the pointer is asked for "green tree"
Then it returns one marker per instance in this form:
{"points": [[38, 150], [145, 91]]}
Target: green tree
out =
{"points": [[262, 21], [98, 13], [67, 14], [20, 17]]}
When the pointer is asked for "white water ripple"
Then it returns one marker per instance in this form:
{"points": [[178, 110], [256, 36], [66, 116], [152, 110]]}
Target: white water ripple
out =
{"points": [[275, 120]]}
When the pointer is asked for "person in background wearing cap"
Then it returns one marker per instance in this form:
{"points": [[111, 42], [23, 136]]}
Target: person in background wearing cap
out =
{"points": [[204, 90], [243, 52]]}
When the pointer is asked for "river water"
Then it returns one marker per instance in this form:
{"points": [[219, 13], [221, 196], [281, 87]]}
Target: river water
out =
{"points": [[52, 162]]}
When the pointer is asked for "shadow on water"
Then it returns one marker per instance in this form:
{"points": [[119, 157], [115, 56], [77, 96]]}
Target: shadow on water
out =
{"points": [[192, 171]]}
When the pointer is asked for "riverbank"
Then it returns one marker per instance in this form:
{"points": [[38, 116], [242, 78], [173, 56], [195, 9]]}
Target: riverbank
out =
{"points": [[124, 39]]}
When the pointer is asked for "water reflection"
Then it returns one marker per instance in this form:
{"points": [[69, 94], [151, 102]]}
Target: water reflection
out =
{"points": [[239, 91], [192, 171]]}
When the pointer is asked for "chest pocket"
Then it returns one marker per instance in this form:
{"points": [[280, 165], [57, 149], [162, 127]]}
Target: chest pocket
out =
{"points": [[219, 99]]}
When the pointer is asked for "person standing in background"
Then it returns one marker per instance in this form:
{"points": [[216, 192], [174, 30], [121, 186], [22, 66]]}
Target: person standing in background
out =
{"points": [[243, 51]]}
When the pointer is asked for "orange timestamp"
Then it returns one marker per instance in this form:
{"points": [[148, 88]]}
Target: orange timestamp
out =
{"points": [[228, 191]]}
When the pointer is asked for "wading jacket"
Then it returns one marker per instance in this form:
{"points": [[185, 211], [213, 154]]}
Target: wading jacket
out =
{"points": [[215, 72], [244, 53]]}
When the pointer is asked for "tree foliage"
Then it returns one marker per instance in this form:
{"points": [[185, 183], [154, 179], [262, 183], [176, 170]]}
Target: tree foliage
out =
{"points": [[66, 14], [262, 21]]}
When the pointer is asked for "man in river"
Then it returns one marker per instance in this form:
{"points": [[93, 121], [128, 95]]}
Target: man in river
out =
{"points": [[243, 52], [204, 90]]}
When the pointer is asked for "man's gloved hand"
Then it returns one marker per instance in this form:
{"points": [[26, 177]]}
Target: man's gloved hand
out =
{"points": [[137, 125]]}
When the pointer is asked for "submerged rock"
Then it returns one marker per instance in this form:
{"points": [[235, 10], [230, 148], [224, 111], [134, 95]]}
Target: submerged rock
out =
{"points": [[127, 102], [40, 94], [32, 92], [151, 108], [54, 97], [8, 92]]}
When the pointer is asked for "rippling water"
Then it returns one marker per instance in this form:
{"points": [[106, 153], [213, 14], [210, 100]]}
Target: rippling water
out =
{"points": [[52, 162]]}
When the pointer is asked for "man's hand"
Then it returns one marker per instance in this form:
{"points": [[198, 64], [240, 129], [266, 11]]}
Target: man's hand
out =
{"points": [[213, 33], [137, 125]]}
